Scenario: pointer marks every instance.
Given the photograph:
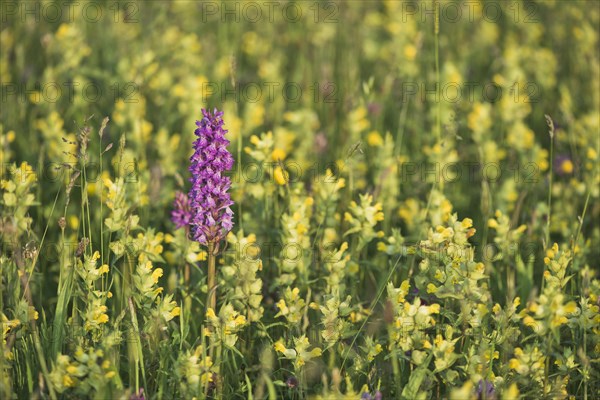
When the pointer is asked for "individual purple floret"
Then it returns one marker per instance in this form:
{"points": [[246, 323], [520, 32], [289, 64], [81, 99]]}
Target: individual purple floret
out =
{"points": [[138, 396], [181, 214], [211, 217], [485, 390], [292, 382]]}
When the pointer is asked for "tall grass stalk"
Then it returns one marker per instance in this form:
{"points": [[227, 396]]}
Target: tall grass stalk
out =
{"points": [[372, 305], [136, 360], [551, 177], [438, 122]]}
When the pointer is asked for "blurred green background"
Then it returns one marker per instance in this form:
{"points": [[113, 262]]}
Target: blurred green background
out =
{"points": [[431, 115]]}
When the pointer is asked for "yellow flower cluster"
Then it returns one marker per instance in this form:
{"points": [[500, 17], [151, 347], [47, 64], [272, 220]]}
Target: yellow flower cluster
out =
{"points": [[292, 306], [528, 363], [550, 310], [227, 324], [363, 218], [96, 314], [95, 300], [116, 200], [242, 265], [295, 255], [51, 129], [83, 373], [443, 350], [300, 354], [335, 262], [146, 280], [371, 348], [357, 121], [263, 147], [557, 263], [16, 195], [149, 245], [8, 326], [410, 320], [89, 271], [195, 370], [69, 41], [335, 319]]}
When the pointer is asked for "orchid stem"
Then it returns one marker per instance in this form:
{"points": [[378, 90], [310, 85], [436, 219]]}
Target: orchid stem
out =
{"points": [[212, 291]]}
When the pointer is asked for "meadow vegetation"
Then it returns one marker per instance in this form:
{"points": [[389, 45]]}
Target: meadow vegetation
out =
{"points": [[416, 200]]}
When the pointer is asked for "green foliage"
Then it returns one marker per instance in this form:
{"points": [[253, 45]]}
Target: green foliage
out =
{"points": [[389, 237]]}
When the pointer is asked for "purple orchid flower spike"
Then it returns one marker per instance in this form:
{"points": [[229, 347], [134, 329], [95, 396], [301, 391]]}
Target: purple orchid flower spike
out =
{"points": [[209, 200], [181, 214]]}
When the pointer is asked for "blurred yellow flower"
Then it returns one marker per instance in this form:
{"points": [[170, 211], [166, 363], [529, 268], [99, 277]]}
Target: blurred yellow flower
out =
{"points": [[410, 52], [278, 154], [157, 273], [374, 139], [281, 177]]}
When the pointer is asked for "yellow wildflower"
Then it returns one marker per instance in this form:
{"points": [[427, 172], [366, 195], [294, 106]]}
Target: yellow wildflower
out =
{"points": [[374, 139], [157, 273]]}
